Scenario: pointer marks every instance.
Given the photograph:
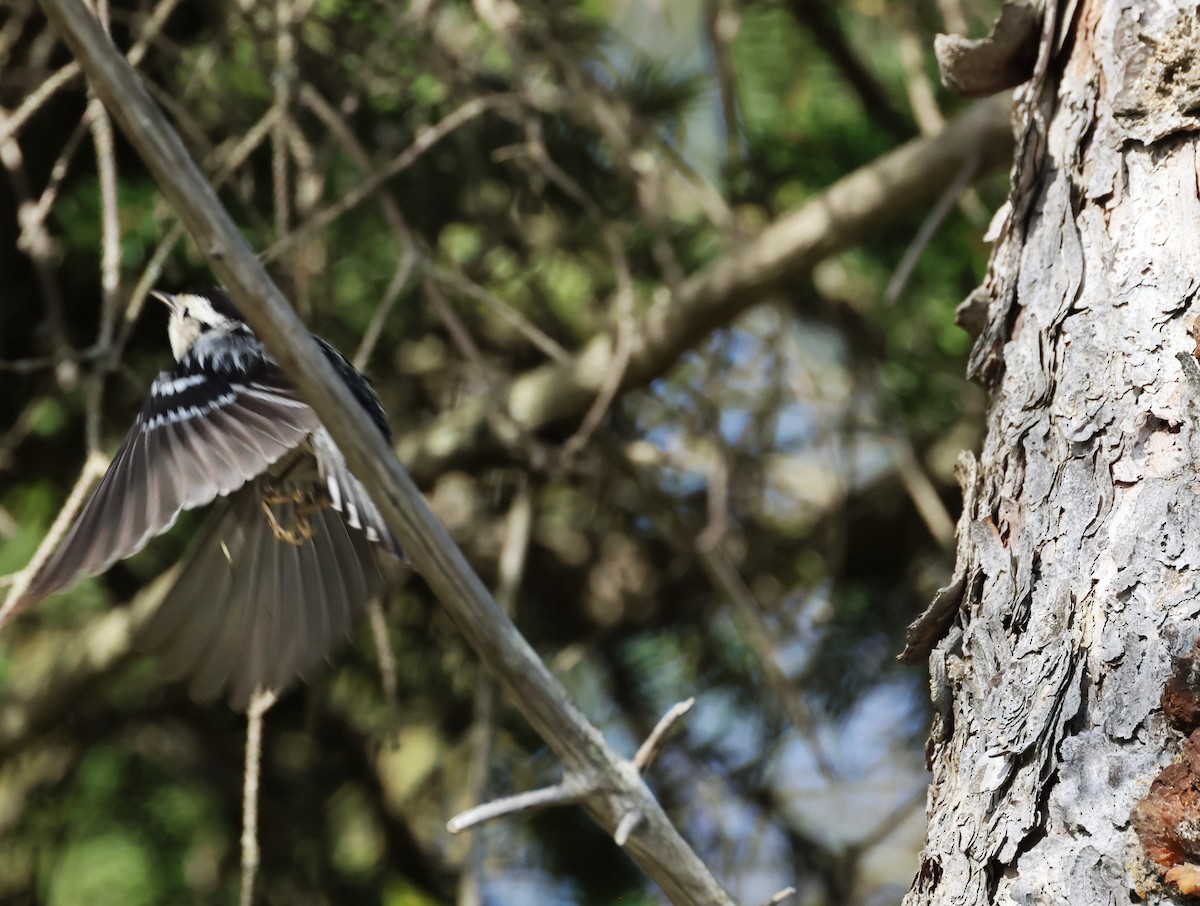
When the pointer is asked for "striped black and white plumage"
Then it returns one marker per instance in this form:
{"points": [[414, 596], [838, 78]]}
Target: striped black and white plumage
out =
{"points": [[284, 563]]}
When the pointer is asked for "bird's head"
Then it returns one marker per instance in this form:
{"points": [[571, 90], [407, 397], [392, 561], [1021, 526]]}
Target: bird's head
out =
{"points": [[195, 313]]}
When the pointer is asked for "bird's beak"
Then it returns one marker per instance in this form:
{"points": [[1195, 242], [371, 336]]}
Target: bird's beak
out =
{"points": [[166, 299]]}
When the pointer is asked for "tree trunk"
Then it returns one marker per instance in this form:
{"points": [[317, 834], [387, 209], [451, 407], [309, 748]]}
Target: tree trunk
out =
{"points": [[1079, 558]]}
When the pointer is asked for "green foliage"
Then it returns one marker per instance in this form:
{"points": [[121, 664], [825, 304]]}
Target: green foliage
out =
{"points": [[658, 90], [803, 123], [123, 838]]}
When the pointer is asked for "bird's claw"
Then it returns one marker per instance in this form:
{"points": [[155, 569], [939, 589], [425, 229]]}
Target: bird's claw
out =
{"points": [[301, 529]]}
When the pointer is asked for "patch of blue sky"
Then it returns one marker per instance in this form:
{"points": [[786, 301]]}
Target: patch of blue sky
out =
{"points": [[733, 424], [797, 425], [722, 721], [529, 885], [877, 768]]}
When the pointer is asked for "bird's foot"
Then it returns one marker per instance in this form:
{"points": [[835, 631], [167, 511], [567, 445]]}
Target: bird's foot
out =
{"points": [[301, 529]]}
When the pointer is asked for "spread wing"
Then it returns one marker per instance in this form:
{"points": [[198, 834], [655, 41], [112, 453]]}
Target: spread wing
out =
{"points": [[250, 610], [208, 427]]}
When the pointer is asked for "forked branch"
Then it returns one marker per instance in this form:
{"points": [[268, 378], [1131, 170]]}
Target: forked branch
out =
{"points": [[577, 787]]}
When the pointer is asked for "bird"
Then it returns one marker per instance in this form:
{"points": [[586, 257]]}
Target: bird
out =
{"points": [[285, 561]]}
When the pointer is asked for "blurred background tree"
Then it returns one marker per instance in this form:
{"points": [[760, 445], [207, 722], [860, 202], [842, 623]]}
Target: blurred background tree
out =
{"points": [[458, 193]]}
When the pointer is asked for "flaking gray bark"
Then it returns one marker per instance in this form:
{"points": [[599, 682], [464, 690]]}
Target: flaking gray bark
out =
{"points": [[1080, 565]]}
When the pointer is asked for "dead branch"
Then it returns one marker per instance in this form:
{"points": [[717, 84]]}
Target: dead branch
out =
{"points": [[788, 249]]}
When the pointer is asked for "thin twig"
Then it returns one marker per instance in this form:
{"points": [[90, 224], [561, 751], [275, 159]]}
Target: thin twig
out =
{"points": [[10, 125], [58, 173], [624, 132], [35, 99], [482, 736], [110, 218], [35, 241], [924, 495], [921, 96], [523, 325], [626, 336], [11, 31], [622, 309], [892, 820], [282, 80], [308, 189], [40, 363], [344, 135], [22, 427], [505, 428], [383, 648], [721, 21], [576, 786], [391, 296], [409, 252], [364, 190], [725, 577], [517, 532], [820, 20], [260, 702], [929, 227], [460, 336]]}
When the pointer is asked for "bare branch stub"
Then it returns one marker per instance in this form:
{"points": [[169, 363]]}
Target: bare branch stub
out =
{"points": [[649, 749], [628, 825], [571, 790]]}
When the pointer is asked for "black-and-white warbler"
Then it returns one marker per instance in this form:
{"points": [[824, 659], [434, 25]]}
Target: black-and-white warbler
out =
{"points": [[284, 563]]}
